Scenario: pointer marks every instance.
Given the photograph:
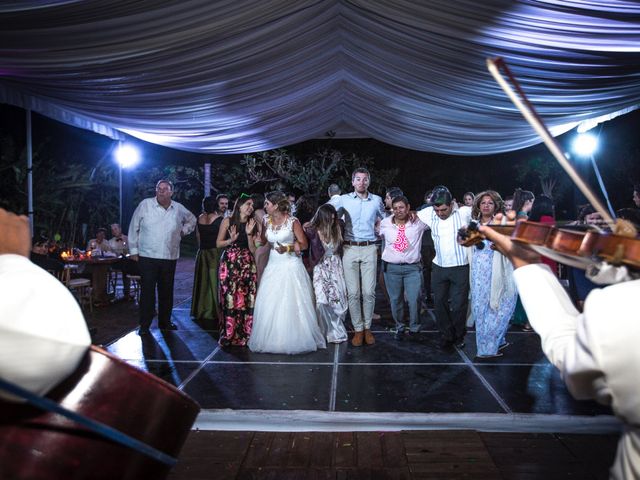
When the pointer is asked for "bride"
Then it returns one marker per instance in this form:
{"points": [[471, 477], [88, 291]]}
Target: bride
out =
{"points": [[284, 318]]}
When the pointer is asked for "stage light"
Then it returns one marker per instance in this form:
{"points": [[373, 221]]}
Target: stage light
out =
{"points": [[127, 155], [585, 144]]}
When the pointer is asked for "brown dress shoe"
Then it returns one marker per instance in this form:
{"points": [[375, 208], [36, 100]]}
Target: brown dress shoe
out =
{"points": [[356, 341], [368, 337]]}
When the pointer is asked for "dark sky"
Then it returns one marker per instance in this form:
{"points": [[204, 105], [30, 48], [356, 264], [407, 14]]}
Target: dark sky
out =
{"points": [[419, 171]]}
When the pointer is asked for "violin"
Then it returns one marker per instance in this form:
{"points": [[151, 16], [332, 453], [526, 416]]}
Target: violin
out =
{"points": [[470, 235], [575, 248]]}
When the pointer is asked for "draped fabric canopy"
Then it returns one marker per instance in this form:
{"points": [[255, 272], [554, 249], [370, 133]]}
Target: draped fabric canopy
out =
{"points": [[233, 76]]}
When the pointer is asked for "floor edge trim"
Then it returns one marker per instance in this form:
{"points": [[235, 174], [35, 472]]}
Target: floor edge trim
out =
{"points": [[321, 421]]}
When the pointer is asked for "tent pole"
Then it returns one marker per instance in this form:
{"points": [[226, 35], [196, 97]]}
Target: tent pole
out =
{"points": [[29, 172]]}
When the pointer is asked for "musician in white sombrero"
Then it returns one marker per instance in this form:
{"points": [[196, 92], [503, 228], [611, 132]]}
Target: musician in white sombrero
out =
{"points": [[43, 334]]}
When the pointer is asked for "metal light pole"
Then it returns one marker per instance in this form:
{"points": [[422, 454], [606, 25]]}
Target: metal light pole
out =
{"points": [[127, 156], [585, 144]]}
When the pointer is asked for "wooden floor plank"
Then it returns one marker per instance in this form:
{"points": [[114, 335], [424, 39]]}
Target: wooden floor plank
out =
{"points": [[344, 450], [442, 455], [322, 447], [369, 450], [393, 451], [258, 450], [300, 449], [279, 451]]}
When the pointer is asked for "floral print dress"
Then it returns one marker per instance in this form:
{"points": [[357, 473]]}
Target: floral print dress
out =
{"points": [[237, 277], [331, 295]]}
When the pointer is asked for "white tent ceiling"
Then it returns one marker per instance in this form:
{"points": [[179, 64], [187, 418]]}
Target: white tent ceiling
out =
{"points": [[238, 76]]}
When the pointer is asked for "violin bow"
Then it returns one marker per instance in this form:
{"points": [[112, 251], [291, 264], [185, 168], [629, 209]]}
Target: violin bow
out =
{"points": [[497, 66]]}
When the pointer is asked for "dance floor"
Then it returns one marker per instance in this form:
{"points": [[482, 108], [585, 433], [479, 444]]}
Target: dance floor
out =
{"points": [[392, 385], [396, 409]]}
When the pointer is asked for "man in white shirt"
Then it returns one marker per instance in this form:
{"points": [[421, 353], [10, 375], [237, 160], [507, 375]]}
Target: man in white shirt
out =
{"points": [[119, 241], [157, 226], [401, 263], [596, 351], [100, 244], [450, 268], [361, 210], [43, 335]]}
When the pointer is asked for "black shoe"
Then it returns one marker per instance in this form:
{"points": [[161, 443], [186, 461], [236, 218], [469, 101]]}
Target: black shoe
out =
{"points": [[503, 346], [142, 331], [399, 335], [460, 344], [169, 326]]}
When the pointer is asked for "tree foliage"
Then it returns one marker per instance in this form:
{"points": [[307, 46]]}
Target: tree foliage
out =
{"points": [[311, 173]]}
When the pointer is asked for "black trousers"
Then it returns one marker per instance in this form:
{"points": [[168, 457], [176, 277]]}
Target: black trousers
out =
{"points": [[160, 274], [451, 299]]}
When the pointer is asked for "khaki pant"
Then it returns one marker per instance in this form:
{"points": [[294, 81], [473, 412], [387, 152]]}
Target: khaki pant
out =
{"points": [[360, 264]]}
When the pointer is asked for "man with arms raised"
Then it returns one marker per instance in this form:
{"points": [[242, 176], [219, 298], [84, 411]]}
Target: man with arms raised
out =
{"points": [[361, 209], [450, 268]]}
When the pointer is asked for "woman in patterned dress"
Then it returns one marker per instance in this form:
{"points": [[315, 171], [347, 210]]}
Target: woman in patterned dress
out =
{"points": [[493, 292], [237, 273], [325, 247]]}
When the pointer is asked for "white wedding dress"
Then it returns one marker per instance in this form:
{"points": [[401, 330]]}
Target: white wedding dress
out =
{"points": [[284, 317]]}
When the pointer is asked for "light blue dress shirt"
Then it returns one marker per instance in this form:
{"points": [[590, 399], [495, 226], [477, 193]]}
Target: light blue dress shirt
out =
{"points": [[360, 215]]}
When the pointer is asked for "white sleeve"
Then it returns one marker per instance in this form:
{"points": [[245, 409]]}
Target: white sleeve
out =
{"points": [[134, 229], [43, 334], [189, 221], [424, 215]]}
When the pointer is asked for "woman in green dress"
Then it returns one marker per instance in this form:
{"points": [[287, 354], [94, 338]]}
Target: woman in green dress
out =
{"points": [[204, 304]]}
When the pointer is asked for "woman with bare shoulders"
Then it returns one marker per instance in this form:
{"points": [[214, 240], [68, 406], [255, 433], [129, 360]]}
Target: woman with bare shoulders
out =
{"points": [[237, 273], [285, 319], [204, 302]]}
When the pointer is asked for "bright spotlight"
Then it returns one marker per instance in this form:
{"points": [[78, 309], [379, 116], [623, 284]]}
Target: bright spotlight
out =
{"points": [[127, 155], [585, 144]]}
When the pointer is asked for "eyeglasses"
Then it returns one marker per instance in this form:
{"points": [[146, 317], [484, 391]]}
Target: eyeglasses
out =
{"points": [[244, 195]]}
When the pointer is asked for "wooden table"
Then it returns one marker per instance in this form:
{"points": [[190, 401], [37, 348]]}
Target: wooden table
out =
{"points": [[99, 274]]}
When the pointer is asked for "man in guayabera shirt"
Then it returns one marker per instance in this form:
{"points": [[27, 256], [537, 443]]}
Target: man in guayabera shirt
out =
{"points": [[157, 226]]}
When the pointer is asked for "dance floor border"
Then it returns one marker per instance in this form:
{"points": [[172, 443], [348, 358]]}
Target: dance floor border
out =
{"points": [[322, 421]]}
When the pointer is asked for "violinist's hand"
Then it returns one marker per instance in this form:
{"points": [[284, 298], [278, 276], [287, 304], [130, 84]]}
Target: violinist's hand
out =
{"points": [[519, 255], [15, 236]]}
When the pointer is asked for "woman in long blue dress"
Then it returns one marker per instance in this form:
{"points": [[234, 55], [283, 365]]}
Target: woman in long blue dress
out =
{"points": [[493, 292]]}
